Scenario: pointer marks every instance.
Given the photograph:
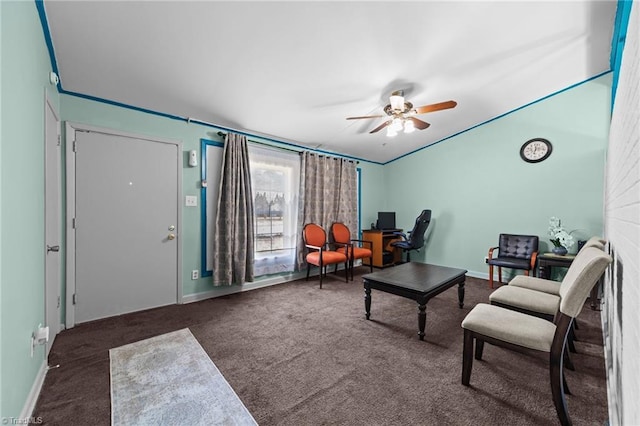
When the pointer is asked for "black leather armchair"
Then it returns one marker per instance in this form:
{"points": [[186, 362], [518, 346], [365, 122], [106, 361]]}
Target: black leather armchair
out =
{"points": [[515, 252], [415, 238]]}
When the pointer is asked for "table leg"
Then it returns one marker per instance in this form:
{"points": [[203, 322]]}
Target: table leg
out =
{"points": [[422, 320], [367, 301], [544, 272], [461, 294]]}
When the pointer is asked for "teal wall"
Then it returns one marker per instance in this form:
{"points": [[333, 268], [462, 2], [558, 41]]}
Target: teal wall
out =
{"points": [[478, 187], [372, 198], [24, 79]]}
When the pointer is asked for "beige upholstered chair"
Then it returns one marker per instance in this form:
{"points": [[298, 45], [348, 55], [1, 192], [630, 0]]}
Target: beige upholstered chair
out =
{"points": [[516, 330], [550, 286], [595, 240], [537, 297]]}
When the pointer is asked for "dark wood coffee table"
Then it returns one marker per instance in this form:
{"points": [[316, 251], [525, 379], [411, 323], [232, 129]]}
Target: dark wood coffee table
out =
{"points": [[416, 281]]}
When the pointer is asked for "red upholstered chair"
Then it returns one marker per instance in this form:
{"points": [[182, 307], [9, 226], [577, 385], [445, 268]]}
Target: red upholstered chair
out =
{"points": [[315, 240], [341, 235]]}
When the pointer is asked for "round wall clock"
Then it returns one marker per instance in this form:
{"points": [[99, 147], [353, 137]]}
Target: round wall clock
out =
{"points": [[535, 150]]}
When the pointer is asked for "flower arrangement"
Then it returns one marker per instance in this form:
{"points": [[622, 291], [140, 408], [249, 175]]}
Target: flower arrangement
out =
{"points": [[561, 238]]}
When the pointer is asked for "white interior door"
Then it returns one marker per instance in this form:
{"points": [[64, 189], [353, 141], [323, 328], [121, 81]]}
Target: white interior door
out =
{"points": [[126, 224], [52, 223]]}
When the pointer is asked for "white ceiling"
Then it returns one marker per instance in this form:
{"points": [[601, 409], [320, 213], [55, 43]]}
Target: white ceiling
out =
{"points": [[293, 71]]}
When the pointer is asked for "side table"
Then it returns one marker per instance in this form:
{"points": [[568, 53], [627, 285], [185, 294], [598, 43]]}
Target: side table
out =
{"points": [[547, 260]]}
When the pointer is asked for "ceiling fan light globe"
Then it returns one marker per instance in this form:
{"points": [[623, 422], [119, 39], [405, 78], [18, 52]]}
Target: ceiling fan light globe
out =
{"points": [[409, 127], [391, 132], [397, 102], [397, 124]]}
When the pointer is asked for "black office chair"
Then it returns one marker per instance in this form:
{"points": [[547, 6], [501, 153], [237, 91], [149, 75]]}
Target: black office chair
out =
{"points": [[415, 238]]}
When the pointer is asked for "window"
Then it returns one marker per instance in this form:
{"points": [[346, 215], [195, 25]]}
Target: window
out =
{"points": [[275, 181]]}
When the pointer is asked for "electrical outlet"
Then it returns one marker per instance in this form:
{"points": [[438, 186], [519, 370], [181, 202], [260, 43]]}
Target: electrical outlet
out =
{"points": [[191, 201], [194, 274], [486, 259]]}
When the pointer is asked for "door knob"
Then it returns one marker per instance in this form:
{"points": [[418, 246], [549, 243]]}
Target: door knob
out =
{"points": [[53, 248], [172, 236]]}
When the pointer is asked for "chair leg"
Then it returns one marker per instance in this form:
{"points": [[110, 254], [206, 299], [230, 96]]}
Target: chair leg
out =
{"points": [[571, 337], [352, 268], [346, 270], [467, 357], [490, 276], [557, 390], [479, 349], [556, 369], [566, 386], [500, 275], [567, 361], [321, 269], [308, 269]]}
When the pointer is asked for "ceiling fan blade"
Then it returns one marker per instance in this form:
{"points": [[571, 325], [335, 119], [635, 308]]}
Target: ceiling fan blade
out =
{"points": [[365, 116], [435, 107], [380, 127], [419, 124]]}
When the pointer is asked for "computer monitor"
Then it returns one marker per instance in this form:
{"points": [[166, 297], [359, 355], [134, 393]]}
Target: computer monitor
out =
{"points": [[386, 220]]}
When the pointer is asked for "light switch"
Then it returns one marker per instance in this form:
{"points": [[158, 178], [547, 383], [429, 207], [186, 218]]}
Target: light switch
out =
{"points": [[191, 201]]}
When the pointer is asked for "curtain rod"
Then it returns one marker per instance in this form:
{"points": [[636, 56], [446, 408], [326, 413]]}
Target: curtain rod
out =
{"points": [[222, 134]]}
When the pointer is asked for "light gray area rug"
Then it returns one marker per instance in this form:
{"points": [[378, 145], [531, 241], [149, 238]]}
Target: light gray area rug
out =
{"points": [[170, 380]]}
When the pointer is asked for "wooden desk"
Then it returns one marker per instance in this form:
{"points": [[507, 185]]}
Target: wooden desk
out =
{"points": [[547, 260], [381, 242]]}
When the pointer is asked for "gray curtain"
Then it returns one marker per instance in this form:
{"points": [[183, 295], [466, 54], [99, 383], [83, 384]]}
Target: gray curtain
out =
{"points": [[328, 193], [233, 234]]}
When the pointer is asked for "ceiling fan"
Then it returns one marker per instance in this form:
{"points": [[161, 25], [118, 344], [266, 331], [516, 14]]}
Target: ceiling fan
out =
{"points": [[401, 114]]}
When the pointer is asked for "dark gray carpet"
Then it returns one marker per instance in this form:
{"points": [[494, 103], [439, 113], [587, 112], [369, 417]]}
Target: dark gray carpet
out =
{"points": [[299, 355]]}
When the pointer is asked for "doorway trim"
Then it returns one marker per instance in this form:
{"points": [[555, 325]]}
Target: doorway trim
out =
{"points": [[53, 288], [70, 129]]}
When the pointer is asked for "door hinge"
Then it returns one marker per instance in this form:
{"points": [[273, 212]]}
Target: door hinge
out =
{"points": [[59, 140], [58, 302], [75, 298], [73, 223], [75, 146]]}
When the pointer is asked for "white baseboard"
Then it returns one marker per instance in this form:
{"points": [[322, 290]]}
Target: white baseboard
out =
{"points": [[227, 290], [485, 276], [34, 393], [481, 275]]}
